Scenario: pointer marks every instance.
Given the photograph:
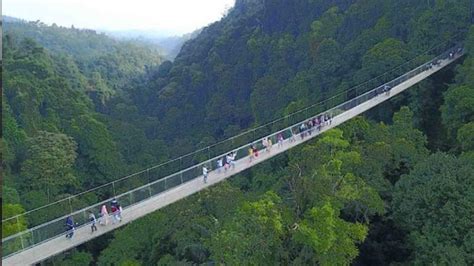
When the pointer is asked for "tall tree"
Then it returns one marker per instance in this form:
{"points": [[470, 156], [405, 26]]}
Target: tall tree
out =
{"points": [[49, 163], [333, 239], [253, 236]]}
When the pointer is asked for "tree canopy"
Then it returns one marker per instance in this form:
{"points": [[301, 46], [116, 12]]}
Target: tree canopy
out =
{"points": [[81, 109]]}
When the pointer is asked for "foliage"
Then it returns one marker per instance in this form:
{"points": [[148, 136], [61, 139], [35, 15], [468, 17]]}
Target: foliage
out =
{"points": [[264, 59], [433, 203], [47, 90], [253, 236], [179, 231], [458, 108], [14, 225], [333, 239], [466, 137], [49, 162], [77, 259]]}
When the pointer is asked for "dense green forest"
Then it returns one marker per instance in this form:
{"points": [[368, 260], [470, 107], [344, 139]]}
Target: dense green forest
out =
{"points": [[393, 187], [66, 123]]}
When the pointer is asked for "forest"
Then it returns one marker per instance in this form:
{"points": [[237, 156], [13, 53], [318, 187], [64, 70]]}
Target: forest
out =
{"points": [[392, 187]]}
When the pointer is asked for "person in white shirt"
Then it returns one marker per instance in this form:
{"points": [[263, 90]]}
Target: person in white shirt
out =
{"points": [[229, 160], [232, 157], [219, 165], [204, 173], [265, 143]]}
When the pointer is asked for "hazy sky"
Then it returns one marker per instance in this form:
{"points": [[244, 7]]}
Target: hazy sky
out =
{"points": [[174, 16]]}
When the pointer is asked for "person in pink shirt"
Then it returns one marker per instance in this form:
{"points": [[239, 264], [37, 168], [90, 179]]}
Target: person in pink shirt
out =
{"points": [[103, 215]]}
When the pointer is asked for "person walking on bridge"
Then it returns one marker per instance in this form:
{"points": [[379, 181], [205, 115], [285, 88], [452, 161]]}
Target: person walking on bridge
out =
{"points": [[232, 159], [115, 209], [204, 173], [118, 207], [70, 227], [302, 130], [309, 126], [250, 154], [225, 163], [255, 151], [269, 144], [219, 165], [280, 140], [316, 124], [228, 159], [103, 215], [293, 134], [265, 143], [387, 89], [93, 221]]}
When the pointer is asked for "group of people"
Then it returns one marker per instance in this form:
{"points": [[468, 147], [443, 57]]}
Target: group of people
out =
{"points": [[451, 55], [316, 123], [306, 128], [115, 212], [226, 162]]}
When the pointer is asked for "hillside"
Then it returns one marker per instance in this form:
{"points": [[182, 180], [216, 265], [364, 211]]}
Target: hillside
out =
{"points": [[395, 186], [267, 59], [169, 46], [117, 62], [64, 94]]}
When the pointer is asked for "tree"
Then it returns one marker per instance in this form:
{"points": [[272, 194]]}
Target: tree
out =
{"points": [[332, 239], [97, 85], [326, 171], [466, 137], [435, 203], [394, 149], [408, 143], [439, 22], [98, 153], [327, 25], [175, 234], [49, 163], [458, 108], [253, 236], [78, 259], [14, 225], [264, 103], [382, 57]]}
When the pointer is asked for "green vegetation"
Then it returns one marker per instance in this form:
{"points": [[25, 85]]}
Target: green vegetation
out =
{"points": [[396, 186], [433, 203], [63, 113]]}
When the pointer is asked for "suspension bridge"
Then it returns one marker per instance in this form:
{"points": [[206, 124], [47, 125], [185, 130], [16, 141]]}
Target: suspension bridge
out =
{"points": [[155, 188]]}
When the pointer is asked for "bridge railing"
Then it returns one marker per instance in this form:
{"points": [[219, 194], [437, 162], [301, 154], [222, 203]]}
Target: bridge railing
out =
{"points": [[150, 182]]}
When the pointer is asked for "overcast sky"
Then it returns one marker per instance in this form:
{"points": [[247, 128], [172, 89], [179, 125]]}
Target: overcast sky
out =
{"points": [[173, 16]]}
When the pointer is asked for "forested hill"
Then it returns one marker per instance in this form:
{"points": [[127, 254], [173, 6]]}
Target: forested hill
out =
{"points": [[66, 121], [267, 58], [81, 110], [97, 55], [369, 194]]}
